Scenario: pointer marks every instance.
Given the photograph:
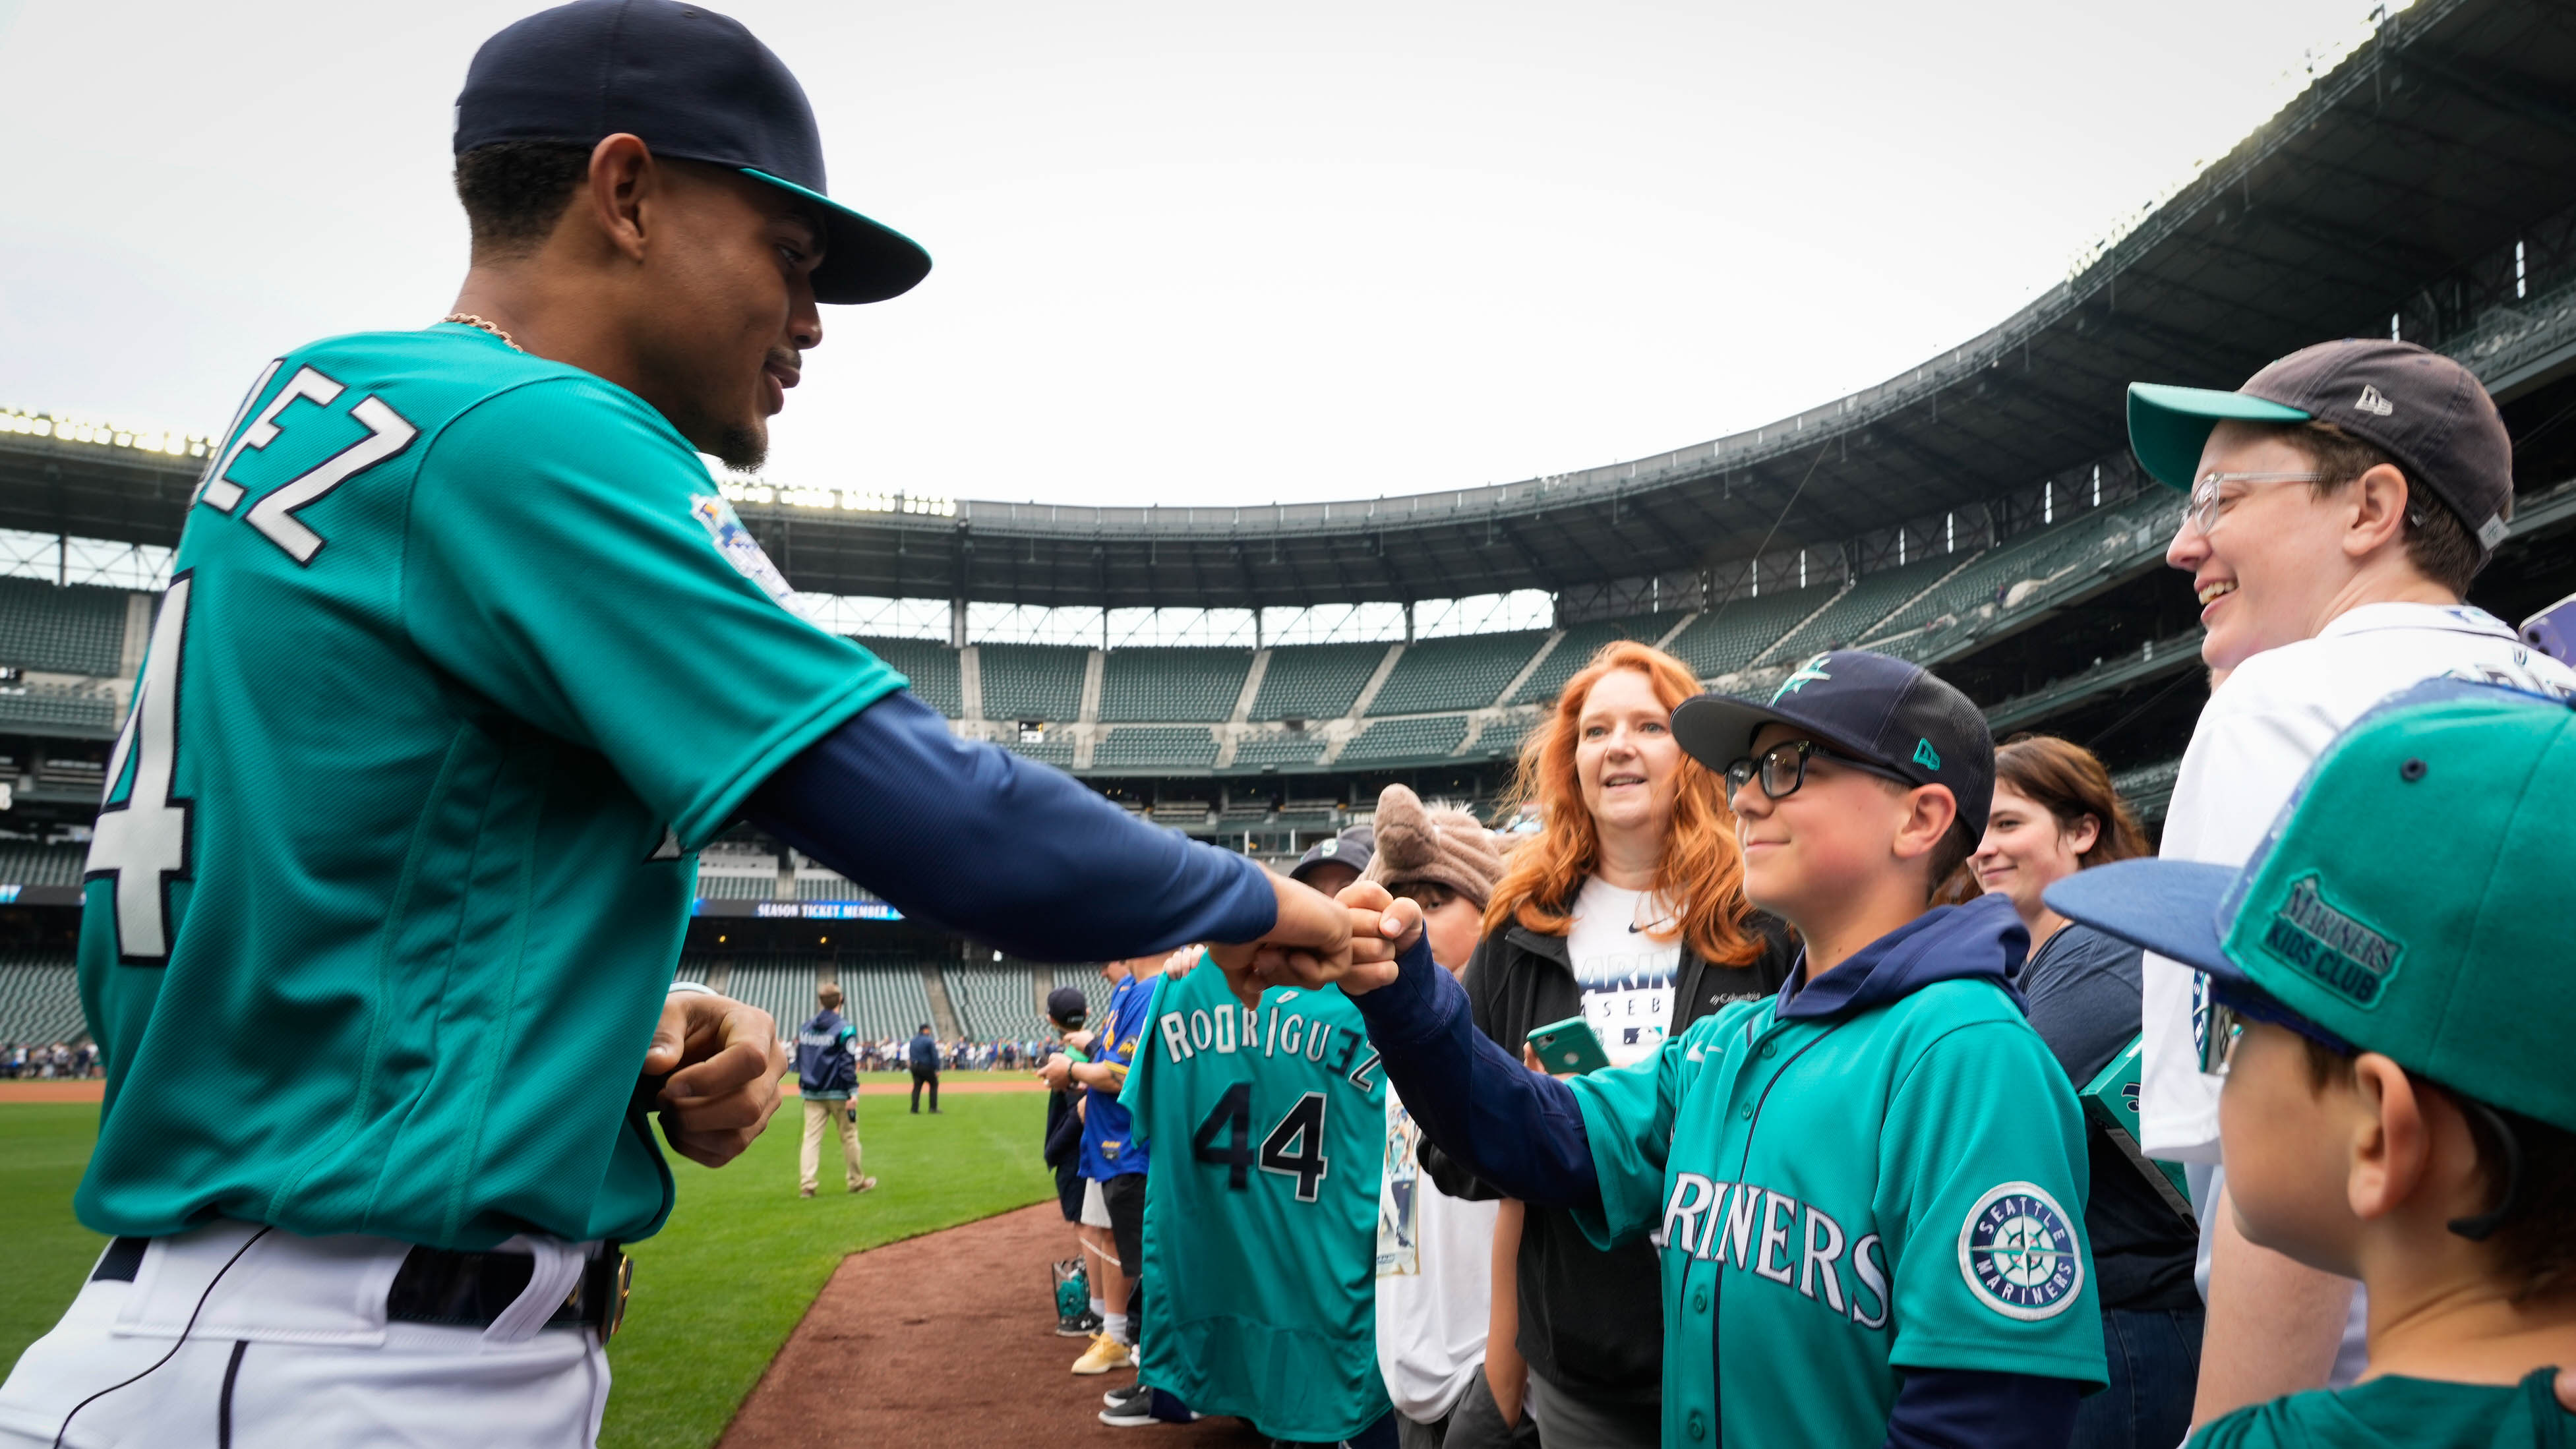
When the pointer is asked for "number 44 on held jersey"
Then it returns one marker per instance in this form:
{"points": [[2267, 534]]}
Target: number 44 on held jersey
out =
{"points": [[1261, 1240]]}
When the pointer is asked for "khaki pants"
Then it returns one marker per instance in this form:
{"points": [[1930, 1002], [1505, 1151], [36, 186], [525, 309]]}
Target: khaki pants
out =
{"points": [[809, 1160]]}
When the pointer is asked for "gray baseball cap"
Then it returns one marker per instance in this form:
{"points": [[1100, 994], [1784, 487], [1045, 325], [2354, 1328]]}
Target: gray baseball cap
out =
{"points": [[2429, 413]]}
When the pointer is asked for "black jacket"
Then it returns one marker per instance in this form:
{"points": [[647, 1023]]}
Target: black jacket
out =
{"points": [[1591, 1323]]}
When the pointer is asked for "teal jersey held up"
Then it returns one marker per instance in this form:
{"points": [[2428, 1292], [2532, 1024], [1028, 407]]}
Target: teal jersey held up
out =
{"points": [[463, 657], [1838, 1199], [1269, 1130]]}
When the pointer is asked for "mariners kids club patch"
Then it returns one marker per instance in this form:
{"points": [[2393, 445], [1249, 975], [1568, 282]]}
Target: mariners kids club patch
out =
{"points": [[2334, 949], [2019, 1254], [737, 545]]}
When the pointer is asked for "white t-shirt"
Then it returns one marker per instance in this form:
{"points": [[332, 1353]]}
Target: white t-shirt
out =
{"points": [[1435, 1278], [2254, 743], [1626, 974]]}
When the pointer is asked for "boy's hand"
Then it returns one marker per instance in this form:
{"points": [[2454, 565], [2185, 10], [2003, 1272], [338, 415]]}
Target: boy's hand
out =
{"points": [[1309, 944]]}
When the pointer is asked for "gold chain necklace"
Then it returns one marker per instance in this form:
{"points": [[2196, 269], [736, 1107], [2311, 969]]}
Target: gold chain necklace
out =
{"points": [[470, 320]]}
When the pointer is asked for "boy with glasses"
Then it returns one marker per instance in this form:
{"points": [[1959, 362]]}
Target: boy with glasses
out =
{"points": [[1867, 1191], [2341, 501], [2390, 1028]]}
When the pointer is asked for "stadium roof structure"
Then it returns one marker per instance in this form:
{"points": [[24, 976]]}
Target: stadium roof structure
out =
{"points": [[2418, 156]]}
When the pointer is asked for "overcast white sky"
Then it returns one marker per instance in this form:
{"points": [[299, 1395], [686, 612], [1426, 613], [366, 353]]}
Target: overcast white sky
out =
{"points": [[1187, 252]]}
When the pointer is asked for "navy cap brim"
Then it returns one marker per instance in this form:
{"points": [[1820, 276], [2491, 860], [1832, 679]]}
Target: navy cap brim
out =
{"points": [[864, 260], [2168, 906], [1717, 730]]}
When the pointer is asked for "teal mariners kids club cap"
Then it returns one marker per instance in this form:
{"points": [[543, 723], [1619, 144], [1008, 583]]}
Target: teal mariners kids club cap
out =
{"points": [[2411, 899], [2424, 410]]}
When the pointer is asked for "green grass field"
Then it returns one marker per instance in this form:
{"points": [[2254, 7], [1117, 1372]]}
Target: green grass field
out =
{"points": [[716, 1292]]}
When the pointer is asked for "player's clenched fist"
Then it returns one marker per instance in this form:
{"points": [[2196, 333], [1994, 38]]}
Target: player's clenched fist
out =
{"points": [[724, 1063], [1309, 944]]}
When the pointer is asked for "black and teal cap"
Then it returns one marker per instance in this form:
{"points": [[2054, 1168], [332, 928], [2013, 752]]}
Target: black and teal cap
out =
{"points": [[1898, 716], [2426, 411], [696, 86], [2410, 900]]}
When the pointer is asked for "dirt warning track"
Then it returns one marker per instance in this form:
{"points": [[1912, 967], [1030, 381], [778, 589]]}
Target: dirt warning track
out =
{"points": [[946, 1341]]}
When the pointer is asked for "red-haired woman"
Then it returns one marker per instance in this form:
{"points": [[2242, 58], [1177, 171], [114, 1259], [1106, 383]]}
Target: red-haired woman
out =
{"points": [[1626, 909]]}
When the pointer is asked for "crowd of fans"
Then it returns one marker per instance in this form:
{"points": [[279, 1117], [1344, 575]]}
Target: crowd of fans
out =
{"points": [[47, 1061]]}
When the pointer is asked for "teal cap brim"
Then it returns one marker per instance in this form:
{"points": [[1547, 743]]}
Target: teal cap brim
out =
{"points": [[2168, 426], [864, 260]]}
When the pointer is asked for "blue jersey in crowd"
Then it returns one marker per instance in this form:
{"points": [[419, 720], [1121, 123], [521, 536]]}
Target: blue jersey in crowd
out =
{"points": [[1109, 1147]]}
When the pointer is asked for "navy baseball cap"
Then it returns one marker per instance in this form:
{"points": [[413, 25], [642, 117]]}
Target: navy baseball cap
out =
{"points": [[1066, 1007], [1897, 716], [696, 86], [1353, 847], [2426, 411]]}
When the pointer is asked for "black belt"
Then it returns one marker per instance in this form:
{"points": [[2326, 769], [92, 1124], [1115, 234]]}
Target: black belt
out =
{"points": [[469, 1290], [463, 1290]]}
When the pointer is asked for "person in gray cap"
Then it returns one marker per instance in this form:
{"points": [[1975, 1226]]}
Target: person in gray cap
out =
{"points": [[2340, 503], [1329, 865]]}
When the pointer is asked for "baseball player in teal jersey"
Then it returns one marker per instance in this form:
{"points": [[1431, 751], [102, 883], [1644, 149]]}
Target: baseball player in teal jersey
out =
{"points": [[462, 658], [1867, 1192], [1268, 1125]]}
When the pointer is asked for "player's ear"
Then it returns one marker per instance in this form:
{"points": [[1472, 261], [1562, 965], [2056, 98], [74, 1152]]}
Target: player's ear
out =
{"points": [[624, 178], [2391, 1142]]}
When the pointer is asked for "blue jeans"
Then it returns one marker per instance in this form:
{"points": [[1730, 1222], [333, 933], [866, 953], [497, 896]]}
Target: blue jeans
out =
{"points": [[2155, 1369]]}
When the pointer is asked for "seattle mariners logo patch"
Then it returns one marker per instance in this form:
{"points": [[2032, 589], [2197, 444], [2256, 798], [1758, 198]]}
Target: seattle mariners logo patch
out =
{"points": [[736, 544], [2018, 1253]]}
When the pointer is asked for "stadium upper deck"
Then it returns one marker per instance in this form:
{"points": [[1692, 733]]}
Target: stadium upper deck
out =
{"points": [[2426, 185]]}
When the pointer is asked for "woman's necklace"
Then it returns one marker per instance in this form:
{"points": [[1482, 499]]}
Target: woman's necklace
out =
{"points": [[470, 320]]}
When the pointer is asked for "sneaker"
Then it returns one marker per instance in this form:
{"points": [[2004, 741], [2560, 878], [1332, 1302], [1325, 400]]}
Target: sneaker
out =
{"points": [[1085, 1324], [1105, 1353], [1129, 1408], [805, 1192], [865, 1184]]}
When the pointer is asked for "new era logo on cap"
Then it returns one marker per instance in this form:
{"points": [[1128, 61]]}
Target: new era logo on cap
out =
{"points": [[2371, 402]]}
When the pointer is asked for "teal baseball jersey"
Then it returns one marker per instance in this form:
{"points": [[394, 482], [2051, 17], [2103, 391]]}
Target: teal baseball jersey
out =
{"points": [[463, 657], [1268, 1127], [2385, 1413], [1837, 1199]]}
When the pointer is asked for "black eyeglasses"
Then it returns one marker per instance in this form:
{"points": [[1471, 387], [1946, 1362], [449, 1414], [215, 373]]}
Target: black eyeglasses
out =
{"points": [[1783, 768]]}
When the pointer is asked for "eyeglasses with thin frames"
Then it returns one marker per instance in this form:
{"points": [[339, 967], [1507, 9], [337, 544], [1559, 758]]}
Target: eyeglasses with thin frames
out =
{"points": [[2205, 506]]}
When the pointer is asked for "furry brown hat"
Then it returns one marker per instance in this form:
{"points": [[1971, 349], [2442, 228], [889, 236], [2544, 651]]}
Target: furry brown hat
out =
{"points": [[1449, 846]]}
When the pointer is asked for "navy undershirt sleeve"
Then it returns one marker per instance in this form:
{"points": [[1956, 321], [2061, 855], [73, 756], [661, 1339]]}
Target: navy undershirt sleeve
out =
{"points": [[1512, 1127], [1972, 1409], [974, 839]]}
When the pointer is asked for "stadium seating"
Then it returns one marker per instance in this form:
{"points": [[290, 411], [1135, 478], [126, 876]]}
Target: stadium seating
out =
{"points": [[884, 996], [1405, 739], [39, 707], [1315, 681], [1736, 632], [813, 884], [1867, 601], [1180, 747], [1054, 750], [1463, 672], [929, 664], [1286, 747], [40, 998], [2148, 788], [1094, 990], [1576, 649], [76, 630], [1502, 738], [2035, 558], [27, 863], [1172, 684], [738, 887], [1033, 681], [994, 1001]]}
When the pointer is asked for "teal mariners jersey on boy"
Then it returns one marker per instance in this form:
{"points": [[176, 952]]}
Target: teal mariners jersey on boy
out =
{"points": [[1882, 1171], [463, 656], [1261, 1239]]}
